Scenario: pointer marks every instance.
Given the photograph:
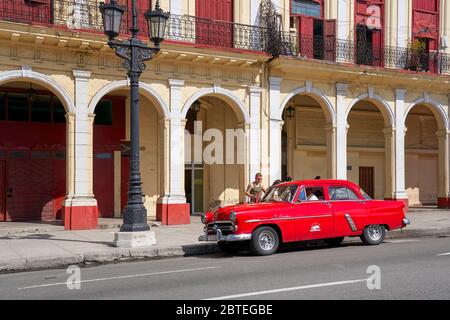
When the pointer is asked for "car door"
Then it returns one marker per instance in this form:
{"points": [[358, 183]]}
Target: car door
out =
{"points": [[349, 210], [313, 218]]}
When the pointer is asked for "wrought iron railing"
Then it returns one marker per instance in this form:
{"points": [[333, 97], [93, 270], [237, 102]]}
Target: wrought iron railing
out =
{"points": [[84, 15], [349, 52]]}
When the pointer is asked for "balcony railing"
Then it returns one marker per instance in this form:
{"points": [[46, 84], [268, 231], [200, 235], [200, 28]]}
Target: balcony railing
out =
{"points": [[84, 15], [345, 51]]}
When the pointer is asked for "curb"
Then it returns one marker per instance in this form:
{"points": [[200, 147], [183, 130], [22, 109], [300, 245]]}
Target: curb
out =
{"points": [[142, 254], [114, 256]]}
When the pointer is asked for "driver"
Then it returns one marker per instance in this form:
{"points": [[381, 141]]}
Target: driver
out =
{"points": [[310, 195]]}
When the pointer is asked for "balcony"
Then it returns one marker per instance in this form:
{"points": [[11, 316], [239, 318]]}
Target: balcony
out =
{"points": [[84, 16], [347, 52]]}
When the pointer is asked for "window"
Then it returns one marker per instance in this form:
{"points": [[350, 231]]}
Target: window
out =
{"points": [[306, 7], [281, 194], [41, 110], [2, 106], [59, 113], [103, 113], [18, 107], [314, 194], [342, 193]]}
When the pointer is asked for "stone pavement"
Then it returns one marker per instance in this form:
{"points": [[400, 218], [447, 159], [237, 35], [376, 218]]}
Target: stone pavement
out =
{"points": [[27, 246]]}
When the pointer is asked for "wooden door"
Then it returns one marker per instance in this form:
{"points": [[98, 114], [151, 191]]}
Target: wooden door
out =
{"points": [[330, 39], [2, 190], [19, 199], [366, 180], [214, 22]]}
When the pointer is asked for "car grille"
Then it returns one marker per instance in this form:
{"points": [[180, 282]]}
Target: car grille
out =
{"points": [[227, 227]]}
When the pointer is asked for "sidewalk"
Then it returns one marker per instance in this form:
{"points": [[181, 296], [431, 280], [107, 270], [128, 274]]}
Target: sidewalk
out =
{"points": [[26, 246]]}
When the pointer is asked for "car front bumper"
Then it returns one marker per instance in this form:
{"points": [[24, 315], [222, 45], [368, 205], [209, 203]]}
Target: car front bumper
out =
{"points": [[228, 238]]}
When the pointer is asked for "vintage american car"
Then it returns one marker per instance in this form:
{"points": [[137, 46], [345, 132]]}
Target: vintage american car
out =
{"points": [[301, 211]]}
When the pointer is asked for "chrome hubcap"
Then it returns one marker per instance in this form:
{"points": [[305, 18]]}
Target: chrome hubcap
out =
{"points": [[374, 233], [266, 240]]}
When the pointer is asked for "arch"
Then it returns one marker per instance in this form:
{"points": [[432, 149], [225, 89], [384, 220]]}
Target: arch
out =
{"points": [[435, 107], [381, 103], [40, 79], [144, 88], [324, 102], [226, 95]]}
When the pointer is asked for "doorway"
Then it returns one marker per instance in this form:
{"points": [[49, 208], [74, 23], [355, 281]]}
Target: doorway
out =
{"points": [[366, 180], [193, 184]]}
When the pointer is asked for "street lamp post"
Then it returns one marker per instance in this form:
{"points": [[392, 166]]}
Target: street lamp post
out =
{"points": [[135, 230]]}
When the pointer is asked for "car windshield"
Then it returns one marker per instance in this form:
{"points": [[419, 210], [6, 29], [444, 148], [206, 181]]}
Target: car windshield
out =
{"points": [[280, 194]]}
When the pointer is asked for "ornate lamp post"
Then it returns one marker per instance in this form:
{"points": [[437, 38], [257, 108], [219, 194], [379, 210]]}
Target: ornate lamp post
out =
{"points": [[135, 231]]}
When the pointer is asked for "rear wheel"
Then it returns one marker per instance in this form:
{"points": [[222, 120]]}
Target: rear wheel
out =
{"points": [[265, 241], [373, 234], [334, 241]]}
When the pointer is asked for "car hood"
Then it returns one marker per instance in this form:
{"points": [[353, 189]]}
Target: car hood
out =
{"points": [[223, 214]]}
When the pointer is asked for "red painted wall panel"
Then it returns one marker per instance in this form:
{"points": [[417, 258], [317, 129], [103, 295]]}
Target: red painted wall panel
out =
{"points": [[107, 139], [2, 189]]}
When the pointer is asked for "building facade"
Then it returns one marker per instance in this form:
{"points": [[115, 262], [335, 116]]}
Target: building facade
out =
{"points": [[348, 89]]}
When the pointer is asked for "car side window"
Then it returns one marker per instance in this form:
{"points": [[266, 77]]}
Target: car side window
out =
{"points": [[314, 194], [341, 193], [302, 195]]}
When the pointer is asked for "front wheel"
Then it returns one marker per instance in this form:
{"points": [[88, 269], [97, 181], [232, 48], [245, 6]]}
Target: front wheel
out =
{"points": [[265, 241], [373, 234]]}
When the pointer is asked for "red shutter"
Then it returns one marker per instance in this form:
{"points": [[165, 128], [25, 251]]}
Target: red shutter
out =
{"points": [[214, 22], [377, 48], [306, 36], [428, 5], [330, 39]]}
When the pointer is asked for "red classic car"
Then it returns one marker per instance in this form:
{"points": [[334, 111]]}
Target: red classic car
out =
{"points": [[301, 211]]}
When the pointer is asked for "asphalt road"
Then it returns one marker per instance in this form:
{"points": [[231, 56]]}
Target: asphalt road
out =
{"points": [[408, 269]]}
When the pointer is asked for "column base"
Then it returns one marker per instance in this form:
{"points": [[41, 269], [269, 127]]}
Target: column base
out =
{"points": [[137, 239], [443, 203], [80, 216], [173, 213]]}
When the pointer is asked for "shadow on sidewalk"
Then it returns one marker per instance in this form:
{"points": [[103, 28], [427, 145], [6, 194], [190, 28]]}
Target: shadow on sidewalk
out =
{"points": [[43, 236]]}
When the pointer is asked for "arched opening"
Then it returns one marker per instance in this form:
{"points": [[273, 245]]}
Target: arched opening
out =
{"points": [[111, 149], [369, 144], [32, 152], [306, 140], [215, 155], [423, 151]]}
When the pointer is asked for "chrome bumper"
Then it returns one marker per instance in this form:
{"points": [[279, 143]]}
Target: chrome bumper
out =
{"points": [[220, 237], [406, 222]]}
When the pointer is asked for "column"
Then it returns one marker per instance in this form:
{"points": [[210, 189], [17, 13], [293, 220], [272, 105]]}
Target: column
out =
{"points": [[341, 131], [275, 127], [80, 210], [254, 143], [400, 132], [172, 208], [443, 189], [330, 130], [389, 152]]}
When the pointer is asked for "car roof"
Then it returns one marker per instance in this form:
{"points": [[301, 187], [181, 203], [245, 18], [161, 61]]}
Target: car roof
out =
{"points": [[318, 182]]}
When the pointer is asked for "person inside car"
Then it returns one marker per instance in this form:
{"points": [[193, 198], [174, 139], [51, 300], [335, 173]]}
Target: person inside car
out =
{"points": [[310, 195]]}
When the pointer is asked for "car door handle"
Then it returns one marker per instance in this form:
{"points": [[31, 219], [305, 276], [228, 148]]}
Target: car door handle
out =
{"points": [[326, 203]]}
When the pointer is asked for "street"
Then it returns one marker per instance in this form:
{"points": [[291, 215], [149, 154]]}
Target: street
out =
{"points": [[409, 269]]}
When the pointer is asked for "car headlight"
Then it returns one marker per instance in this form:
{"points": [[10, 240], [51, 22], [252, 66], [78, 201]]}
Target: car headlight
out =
{"points": [[233, 216]]}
